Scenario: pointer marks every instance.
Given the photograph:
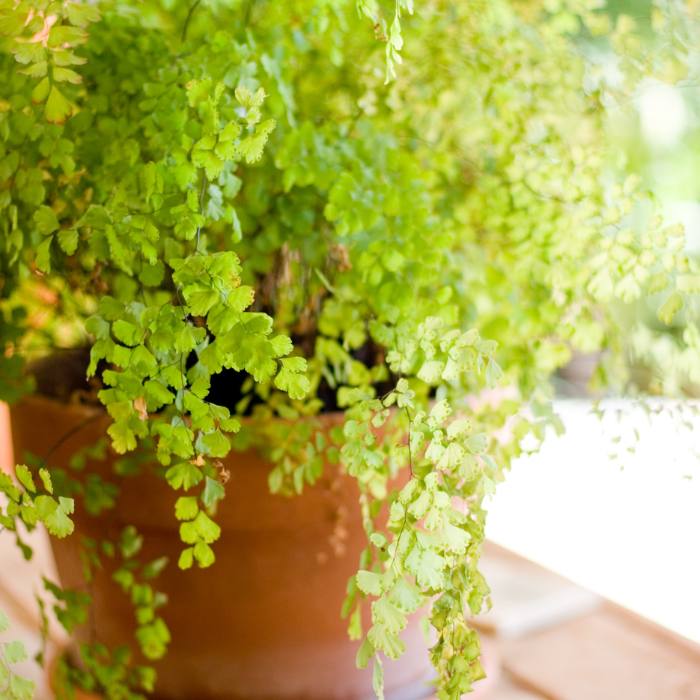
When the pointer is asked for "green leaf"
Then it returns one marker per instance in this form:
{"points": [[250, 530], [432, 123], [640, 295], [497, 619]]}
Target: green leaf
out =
{"points": [[41, 91], [153, 568], [186, 507], [454, 538], [57, 107], [388, 615], [369, 582], [493, 373], [405, 595], [477, 443], [486, 347], [58, 523], [4, 622], [430, 371], [392, 644], [204, 554], [80, 15], [21, 688], [217, 443], [127, 333], [123, 438], [657, 283], [25, 477], [45, 220], [296, 385], [452, 457], [670, 307], [688, 284], [36, 70], [251, 148], [378, 678], [15, 652], [198, 91], [213, 492], [68, 240], [427, 566], [246, 99], [62, 75], [457, 427], [186, 558], [43, 255], [206, 528], [489, 486], [201, 302], [184, 476], [364, 654], [29, 52]]}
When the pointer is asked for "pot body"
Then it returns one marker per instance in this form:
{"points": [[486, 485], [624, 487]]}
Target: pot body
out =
{"points": [[6, 459], [264, 622]]}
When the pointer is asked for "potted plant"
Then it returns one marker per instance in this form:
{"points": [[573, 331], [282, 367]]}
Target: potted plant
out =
{"points": [[296, 268]]}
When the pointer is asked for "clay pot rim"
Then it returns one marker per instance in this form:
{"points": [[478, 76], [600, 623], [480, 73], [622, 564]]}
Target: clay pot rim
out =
{"points": [[84, 411]]}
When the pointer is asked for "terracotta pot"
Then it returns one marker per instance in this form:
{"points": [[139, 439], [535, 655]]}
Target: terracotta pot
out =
{"points": [[6, 460], [263, 623]]}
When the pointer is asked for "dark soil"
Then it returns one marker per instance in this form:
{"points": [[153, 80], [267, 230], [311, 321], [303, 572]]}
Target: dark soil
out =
{"points": [[63, 376]]}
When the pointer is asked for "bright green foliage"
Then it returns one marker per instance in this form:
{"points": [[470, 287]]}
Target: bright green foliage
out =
{"points": [[192, 189], [12, 686]]}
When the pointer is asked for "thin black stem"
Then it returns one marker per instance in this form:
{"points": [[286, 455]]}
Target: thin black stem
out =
{"points": [[70, 434], [190, 12]]}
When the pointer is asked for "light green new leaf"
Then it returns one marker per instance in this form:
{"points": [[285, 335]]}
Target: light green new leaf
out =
{"points": [[378, 678], [489, 487], [4, 622], [369, 582], [388, 615], [493, 373], [21, 688], [364, 654], [15, 652], [452, 458], [454, 538], [392, 644], [688, 284], [430, 371], [477, 443], [405, 595], [427, 566], [457, 427], [670, 307]]}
